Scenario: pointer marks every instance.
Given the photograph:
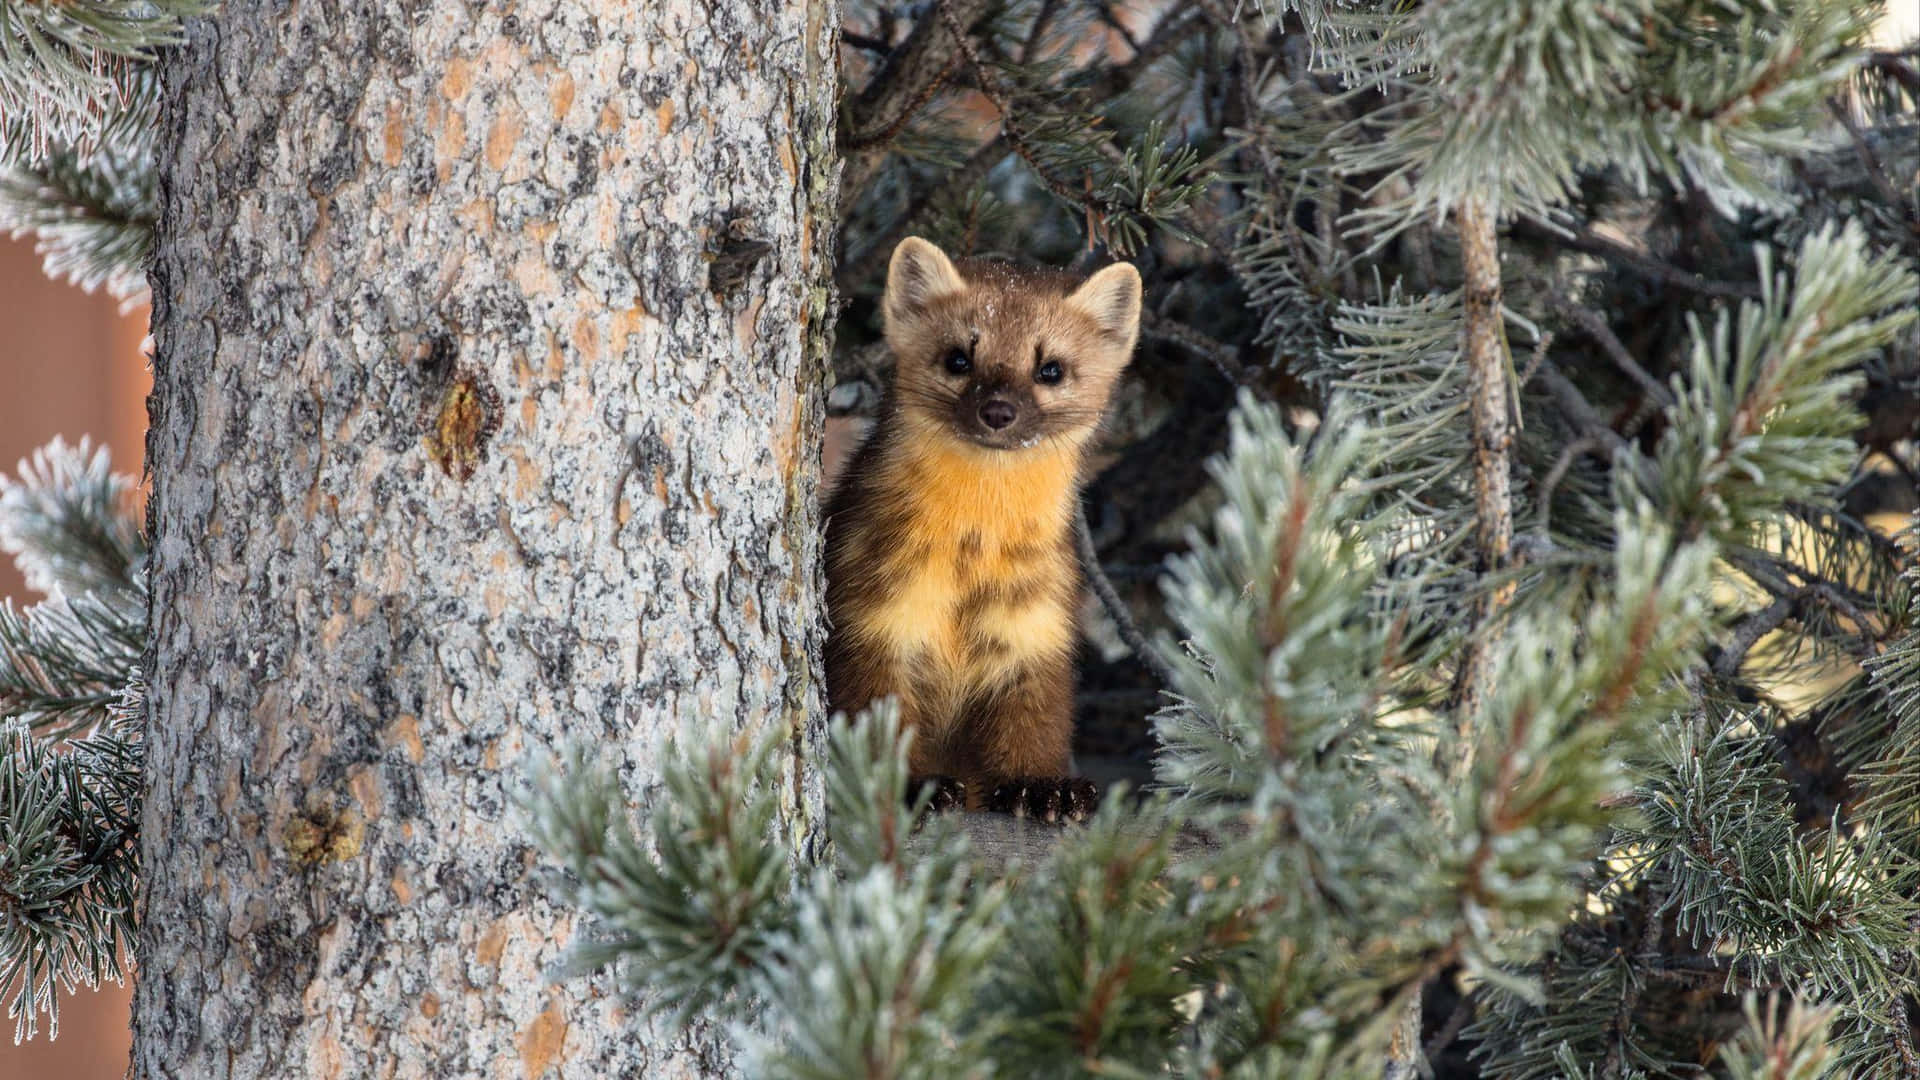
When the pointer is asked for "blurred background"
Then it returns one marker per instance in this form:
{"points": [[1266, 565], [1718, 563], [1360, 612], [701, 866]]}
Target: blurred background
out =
{"points": [[71, 366]]}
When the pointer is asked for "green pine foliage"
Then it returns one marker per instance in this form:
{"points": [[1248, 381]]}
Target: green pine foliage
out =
{"points": [[70, 753], [79, 104], [66, 662]]}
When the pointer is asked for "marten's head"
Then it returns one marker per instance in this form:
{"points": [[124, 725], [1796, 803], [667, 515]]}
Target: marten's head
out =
{"points": [[1003, 357]]}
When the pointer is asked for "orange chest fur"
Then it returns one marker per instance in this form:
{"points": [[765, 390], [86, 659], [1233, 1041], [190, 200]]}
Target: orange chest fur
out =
{"points": [[978, 577]]}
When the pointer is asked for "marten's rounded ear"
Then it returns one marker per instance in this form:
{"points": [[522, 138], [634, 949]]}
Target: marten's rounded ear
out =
{"points": [[1112, 299], [918, 273]]}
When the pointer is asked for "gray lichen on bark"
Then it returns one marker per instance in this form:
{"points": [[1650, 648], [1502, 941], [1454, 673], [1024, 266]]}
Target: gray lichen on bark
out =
{"points": [[457, 457]]}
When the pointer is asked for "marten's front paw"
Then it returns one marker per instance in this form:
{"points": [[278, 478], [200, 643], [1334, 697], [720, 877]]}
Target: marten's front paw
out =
{"points": [[1046, 798], [943, 793]]}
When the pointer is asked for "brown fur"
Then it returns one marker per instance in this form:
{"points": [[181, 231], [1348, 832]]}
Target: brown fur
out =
{"points": [[951, 574]]}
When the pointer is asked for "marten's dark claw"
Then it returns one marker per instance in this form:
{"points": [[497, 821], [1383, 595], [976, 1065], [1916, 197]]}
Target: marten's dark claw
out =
{"points": [[944, 793], [1050, 799]]}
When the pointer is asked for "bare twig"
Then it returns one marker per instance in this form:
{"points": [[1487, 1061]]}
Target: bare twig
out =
{"points": [[1010, 127], [1752, 629], [1224, 358], [855, 142], [1897, 68], [1491, 393], [1584, 444], [1449, 1031], [1876, 175], [976, 168], [1650, 934], [863, 41], [1639, 262], [1115, 606], [1596, 328], [897, 91], [1577, 408], [1170, 33]]}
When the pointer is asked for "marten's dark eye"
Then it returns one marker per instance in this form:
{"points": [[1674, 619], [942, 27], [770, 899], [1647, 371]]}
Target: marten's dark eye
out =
{"points": [[1048, 372], [957, 362]]}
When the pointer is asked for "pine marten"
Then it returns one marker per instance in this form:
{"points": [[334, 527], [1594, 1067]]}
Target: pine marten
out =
{"points": [[952, 581]]}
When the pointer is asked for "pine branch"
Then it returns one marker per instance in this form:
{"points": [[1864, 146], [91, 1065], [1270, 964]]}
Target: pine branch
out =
{"points": [[903, 85], [970, 174], [67, 521], [1642, 263], [67, 70], [1224, 358], [68, 860], [92, 217], [1491, 393], [1596, 328]]}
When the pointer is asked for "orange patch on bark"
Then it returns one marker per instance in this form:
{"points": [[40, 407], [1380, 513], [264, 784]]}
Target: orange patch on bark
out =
{"points": [[526, 478], [451, 144], [585, 339], [562, 95], [402, 891], [458, 79], [542, 1040], [326, 1057], [405, 730], [429, 1005], [501, 138], [492, 944], [625, 325], [664, 114], [477, 215], [365, 786], [393, 141]]}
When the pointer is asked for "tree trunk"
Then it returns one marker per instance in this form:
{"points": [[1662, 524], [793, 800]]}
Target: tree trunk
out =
{"points": [[486, 417]]}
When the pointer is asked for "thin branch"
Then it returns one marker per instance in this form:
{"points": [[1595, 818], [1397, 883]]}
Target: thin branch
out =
{"points": [[1584, 444], [1105, 14], [1639, 262], [1876, 175], [857, 142], [1752, 629], [1449, 1031], [1577, 408], [976, 168], [1897, 68], [862, 41], [1170, 34], [1224, 358], [1603, 335], [1491, 396], [897, 91], [1010, 127], [1115, 606], [1650, 936]]}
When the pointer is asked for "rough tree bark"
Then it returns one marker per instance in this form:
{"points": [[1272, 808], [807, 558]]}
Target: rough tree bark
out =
{"points": [[486, 417]]}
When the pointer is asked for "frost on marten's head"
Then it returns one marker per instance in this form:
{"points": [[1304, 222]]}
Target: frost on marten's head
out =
{"points": [[1002, 356]]}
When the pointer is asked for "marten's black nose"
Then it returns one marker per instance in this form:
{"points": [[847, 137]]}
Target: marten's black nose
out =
{"points": [[997, 414]]}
